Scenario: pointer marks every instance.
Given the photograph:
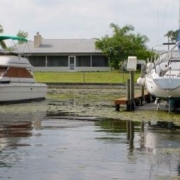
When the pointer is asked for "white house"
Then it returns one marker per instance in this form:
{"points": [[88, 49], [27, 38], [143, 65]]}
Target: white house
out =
{"points": [[65, 55]]}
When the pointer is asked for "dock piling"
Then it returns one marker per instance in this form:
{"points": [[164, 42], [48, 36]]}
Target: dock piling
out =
{"points": [[128, 95], [132, 90], [131, 98]]}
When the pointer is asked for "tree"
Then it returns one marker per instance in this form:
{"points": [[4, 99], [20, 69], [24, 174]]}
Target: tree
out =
{"points": [[22, 34], [172, 35], [1, 29], [121, 44], [2, 43]]}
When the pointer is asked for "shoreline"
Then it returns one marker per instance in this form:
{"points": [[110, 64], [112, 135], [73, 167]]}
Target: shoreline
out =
{"points": [[89, 85]]}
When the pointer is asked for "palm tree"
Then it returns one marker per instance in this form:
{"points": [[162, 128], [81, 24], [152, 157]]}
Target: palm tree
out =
{"points": [[2, 43], [121, 31], [121, 44], [1, 29], [172, 35]]}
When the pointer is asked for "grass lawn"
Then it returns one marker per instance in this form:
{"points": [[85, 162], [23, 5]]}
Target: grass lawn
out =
{"points": [[84, 77]]}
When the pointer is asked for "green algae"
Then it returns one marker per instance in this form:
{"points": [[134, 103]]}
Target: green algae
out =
{"points": [[90, 102], [100, 103]]}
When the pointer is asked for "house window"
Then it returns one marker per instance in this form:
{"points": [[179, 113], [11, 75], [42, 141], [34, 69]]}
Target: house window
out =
{"points": [[37, 61], [57, 61], [99, 61], [83, 61]]}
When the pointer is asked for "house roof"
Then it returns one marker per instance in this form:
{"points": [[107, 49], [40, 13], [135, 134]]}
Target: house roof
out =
{"points": [[61, 46]]}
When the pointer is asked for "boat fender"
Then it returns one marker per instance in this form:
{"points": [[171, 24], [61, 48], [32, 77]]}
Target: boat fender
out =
{"points": [[150, 65], [141, 81]]}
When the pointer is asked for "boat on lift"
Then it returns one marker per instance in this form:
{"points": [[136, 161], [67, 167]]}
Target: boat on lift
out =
{"points": [[162, 76], [17, 82]]}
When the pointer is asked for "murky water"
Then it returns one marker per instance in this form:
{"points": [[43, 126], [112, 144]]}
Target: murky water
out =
{"points": [[75, 149], [52, 140]]}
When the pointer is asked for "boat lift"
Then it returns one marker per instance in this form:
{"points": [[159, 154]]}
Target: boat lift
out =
{"points": [[170, 104]]}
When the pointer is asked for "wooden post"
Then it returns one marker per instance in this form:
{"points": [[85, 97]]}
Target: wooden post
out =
{"points": [[132, 90], [128, 129], [117, 107], [131, 67], [131, 139], [130, 134], [128, 106], [142, 95], [142, 126], [142, 136]]}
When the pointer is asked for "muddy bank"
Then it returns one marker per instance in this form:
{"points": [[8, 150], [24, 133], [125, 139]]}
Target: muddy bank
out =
{"points": [[83, 104], [101, 93], [100, 103]]}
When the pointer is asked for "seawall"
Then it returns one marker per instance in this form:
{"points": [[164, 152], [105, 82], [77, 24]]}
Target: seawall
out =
{"points": [[89, 85]]}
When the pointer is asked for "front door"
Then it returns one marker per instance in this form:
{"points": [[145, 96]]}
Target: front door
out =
{"points": [[72, 63]]}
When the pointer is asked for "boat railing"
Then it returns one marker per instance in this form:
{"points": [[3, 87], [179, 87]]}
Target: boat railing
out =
{"points": [[168, 57], [8, 53]]}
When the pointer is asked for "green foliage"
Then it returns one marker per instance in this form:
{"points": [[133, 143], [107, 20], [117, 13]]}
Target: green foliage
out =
{"points": [[1, 29], [2, 43], [172, 35], [22, 34], [121, 44]]}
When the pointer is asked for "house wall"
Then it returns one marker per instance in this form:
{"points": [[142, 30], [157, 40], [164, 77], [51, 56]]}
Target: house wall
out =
{"points": [[62, 63]]}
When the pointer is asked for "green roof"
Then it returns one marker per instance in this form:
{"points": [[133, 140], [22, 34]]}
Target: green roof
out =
{"points": [[4, 37]]}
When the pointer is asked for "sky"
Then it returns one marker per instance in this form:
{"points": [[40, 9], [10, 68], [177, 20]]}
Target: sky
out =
{"points": [[72, 19]]}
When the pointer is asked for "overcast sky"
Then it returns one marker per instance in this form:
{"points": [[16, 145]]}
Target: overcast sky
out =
{"points": [[57, 19]]}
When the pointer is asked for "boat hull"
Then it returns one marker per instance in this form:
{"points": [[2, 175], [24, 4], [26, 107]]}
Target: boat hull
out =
{"points": [[163, 88], [13, 92]]}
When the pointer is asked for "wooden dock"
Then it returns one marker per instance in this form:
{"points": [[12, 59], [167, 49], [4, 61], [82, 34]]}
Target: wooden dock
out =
{"points": [[138, 100]]}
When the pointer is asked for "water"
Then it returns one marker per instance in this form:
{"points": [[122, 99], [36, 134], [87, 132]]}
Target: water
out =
{"points": [[85, 139], [49, 149]]}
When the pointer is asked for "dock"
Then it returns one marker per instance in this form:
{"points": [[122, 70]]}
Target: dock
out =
{"points": [[138, 101]]}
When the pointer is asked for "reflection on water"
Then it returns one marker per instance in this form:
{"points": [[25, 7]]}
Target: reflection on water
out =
{"points": [[60, 148]]}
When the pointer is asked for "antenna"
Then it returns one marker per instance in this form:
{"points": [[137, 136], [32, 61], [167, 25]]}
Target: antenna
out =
{"points": [[179, 15], [179, 29]]}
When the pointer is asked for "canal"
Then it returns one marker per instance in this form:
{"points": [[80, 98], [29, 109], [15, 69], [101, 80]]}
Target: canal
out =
{"points": [[57, 139]]}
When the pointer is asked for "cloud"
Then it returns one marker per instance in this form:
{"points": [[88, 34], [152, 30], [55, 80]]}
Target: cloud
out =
{"points": [[88, 19]]}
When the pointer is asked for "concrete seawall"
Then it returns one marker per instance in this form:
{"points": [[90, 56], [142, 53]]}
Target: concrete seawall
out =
{"points": [[89, 85]]}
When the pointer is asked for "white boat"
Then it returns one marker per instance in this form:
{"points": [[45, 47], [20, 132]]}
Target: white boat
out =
{"points": [[162, 77], [17, 82]]}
